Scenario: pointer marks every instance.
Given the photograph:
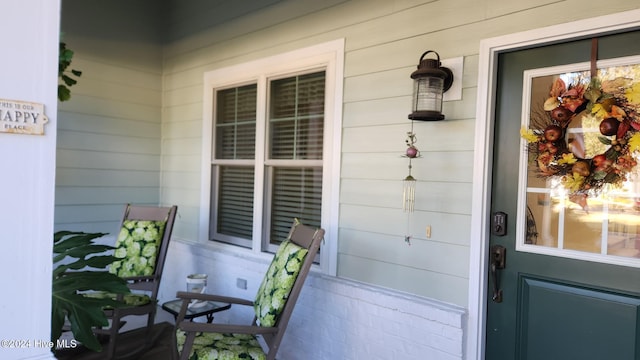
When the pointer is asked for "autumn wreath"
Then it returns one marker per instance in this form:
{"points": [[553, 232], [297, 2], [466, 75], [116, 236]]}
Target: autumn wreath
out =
{"points": [[613, 107]]}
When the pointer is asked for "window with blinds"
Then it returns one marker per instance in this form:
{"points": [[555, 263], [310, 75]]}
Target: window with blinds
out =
{"points": [[296, 126], [235, 140], [292, 161]]}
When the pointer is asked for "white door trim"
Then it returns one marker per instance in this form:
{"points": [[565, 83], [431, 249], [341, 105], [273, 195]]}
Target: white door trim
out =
{"points": [[483, 150]]}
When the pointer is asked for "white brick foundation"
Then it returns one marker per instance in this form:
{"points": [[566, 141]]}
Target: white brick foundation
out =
{"points": [[334, 318]]}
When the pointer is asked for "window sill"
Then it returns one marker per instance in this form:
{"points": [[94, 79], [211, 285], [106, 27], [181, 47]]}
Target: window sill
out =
{"points": [[233, 250]]}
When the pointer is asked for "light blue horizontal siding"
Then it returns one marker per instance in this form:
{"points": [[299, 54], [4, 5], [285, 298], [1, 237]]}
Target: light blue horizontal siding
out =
{"points": [[388, 274], [109, 133], [384, 40]]}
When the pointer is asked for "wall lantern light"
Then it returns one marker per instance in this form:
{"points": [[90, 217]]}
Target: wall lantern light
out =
{"points": [[430, 81]]}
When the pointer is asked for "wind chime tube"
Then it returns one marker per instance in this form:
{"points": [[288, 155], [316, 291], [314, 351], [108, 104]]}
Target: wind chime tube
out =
{"points": [[409, 194]]}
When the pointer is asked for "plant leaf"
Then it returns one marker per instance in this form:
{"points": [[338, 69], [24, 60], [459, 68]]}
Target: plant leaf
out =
{"points": [[90, 281], [64, 93], [97, 262], [634, 142], [604, 140], [58, 235], [599, 175], [68, 80], [78, 239], [68, 302], [64, 61], [84, 314], [85, 250]]}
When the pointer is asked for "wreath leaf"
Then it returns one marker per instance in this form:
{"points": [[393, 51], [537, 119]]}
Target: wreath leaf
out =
{"points": [[634, 142], [604, 140]]}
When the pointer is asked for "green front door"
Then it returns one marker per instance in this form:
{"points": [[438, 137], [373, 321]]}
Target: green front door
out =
{"points": [[570, 286]]}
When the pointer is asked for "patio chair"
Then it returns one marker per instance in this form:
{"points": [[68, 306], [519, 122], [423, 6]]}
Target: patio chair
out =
{"points": [[273, 305], [142, 246]]}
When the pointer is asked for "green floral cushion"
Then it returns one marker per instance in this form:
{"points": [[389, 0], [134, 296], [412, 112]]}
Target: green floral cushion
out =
{"points": [[218, 346], [277, 283], [137, 245]]}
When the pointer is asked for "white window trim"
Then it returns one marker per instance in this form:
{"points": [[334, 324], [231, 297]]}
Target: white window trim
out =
{"points": [[330, 56]]}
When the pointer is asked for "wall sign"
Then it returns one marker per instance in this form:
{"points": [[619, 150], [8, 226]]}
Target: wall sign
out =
{"points": [[22, 117]]}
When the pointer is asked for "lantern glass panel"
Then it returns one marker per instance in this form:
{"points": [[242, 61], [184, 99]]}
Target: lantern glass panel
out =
{"points": [[427, 94]]}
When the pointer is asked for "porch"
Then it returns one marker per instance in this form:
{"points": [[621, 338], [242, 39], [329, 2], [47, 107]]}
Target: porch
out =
{"points": [[134, 133]]}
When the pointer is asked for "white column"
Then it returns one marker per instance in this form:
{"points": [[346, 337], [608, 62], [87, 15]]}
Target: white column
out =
{"points": [[28, 71]]}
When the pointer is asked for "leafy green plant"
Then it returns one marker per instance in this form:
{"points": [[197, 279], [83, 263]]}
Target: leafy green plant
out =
{"points": [[79, 267], [64, 61]]}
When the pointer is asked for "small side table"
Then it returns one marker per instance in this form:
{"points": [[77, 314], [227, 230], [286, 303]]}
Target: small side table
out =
{"points": [[208, 309]]}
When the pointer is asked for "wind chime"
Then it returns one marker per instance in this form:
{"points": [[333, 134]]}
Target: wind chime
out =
{"points": [[409, 183]]}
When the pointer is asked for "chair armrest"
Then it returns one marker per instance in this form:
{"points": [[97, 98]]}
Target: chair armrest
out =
{"points": [[212, 297], [189, 326]]}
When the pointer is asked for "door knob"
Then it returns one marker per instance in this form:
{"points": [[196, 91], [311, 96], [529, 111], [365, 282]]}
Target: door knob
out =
{"points": [[497, 262]]}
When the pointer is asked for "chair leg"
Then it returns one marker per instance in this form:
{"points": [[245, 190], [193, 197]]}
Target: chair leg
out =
{"points": [[113, 337], [150, 322], [188, 345]]}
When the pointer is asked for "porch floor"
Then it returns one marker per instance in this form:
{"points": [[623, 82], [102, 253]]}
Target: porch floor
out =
{"points": [[132, 339]]}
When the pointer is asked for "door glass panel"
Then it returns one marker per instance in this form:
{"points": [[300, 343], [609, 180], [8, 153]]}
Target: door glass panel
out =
{"points": [[581, 142]]}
